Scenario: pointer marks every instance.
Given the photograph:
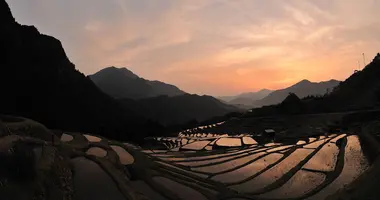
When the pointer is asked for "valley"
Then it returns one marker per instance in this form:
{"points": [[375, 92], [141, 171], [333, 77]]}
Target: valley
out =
{"points": [[115, 135]]}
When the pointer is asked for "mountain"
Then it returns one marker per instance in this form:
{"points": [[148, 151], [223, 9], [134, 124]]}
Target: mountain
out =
{"points": [[39, 82], [361, 91], [244, 96], [249, 97], [156, 100], [122, 83], [226, 99], [256, 95], [179, 109], [267, 97], [301, 89]]}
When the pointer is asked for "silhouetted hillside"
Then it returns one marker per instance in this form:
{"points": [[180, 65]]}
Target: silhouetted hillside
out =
{"points": [[156, 100], [301, 89], [360, 91], [122, 83], [39, 82], [265, 97], [291, 105], [179, 109]]}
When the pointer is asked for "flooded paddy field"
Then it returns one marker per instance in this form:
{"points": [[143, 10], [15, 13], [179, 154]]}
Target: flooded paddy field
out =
{"points": [[204, 164], [208, 165], [251, 166]]}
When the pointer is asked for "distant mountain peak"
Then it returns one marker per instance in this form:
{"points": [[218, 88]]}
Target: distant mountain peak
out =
{"points": [[112, 71], [304, 81], [264, 90], [121, 82], [123, 69], [301, 89], [114, 68], [330, 81]]}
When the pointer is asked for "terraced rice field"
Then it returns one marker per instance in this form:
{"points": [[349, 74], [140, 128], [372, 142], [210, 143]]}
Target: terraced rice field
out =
{"points": [[218, 166]]}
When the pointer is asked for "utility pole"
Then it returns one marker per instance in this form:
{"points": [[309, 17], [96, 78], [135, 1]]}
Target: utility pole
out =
{"points": [[364, 60]]}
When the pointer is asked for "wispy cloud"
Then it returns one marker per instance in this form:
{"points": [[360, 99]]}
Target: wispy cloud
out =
{"points": [[212, 46]]}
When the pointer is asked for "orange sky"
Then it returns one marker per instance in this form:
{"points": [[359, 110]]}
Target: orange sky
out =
{"points": [[216, 47]]}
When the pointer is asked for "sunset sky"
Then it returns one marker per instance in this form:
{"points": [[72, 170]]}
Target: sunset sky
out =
{"points": [[216, 47]]}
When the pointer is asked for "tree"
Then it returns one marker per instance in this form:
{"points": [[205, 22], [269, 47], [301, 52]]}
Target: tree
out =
{"points": [[291, 105]]}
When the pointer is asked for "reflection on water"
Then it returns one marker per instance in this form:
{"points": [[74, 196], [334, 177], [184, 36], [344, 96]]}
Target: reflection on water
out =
{"points": [[66, 137], [325, 159], [271, 170], [301, 142], [285, 147], [229, 142], [249, 140], [354, 164], [230, 164], [210, 161], [337, 138], [208, 148], [91, 138], [248, 170], [314, 145], [125, 157], [300, 184], [96, 151], [186, 171], [274, 173], [198, 145], [271, 144], [184, 141]]}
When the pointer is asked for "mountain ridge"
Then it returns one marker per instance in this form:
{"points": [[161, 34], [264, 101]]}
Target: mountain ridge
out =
{"points": [[360, 91], [244, 96], [156, 100], [52, 91], [123, 83], [302, 89], [179, 109]]}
